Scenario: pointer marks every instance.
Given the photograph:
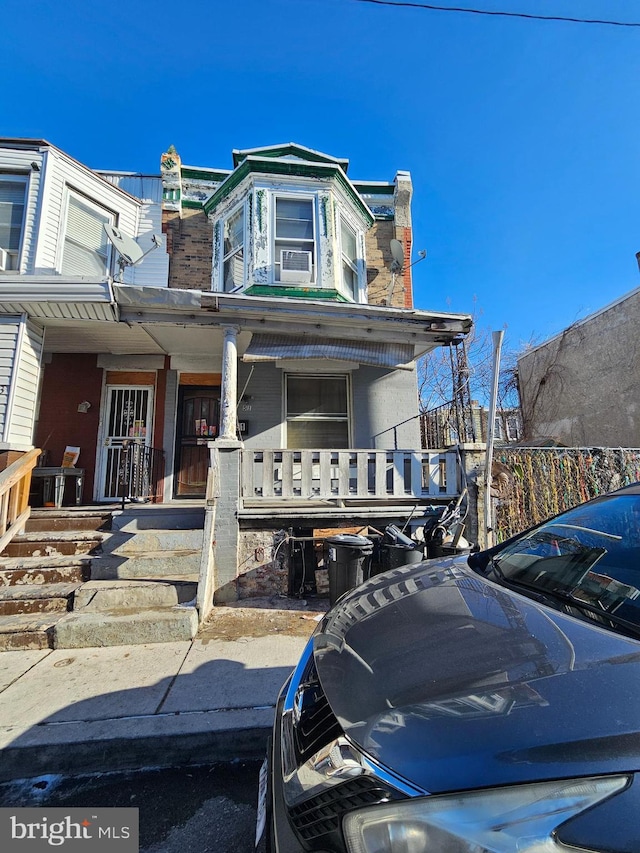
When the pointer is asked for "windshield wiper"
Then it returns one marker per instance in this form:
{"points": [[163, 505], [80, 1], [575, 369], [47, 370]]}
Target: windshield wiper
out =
{"points": [[570, 599], [539, 594], [551, 596]]}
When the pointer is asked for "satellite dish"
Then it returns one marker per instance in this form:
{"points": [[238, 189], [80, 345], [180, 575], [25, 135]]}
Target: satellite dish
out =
{"points": [[397, 253], [127, 247]]}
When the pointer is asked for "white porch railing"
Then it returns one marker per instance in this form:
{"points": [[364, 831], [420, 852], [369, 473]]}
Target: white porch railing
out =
{"points": [[339, 475]]}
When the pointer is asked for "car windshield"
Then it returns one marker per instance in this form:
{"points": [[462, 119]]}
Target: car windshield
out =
{"points": [[588, 558]]}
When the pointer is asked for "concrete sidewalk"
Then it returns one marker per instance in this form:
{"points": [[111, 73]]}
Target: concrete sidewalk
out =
{"points": [[74, 711]]}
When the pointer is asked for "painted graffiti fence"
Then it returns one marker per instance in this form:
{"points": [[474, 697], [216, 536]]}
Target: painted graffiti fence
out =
{"points": [[536, 483]]}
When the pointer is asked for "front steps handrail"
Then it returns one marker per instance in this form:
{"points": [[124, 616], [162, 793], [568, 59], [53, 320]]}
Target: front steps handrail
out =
{"points": [[15, 483]]}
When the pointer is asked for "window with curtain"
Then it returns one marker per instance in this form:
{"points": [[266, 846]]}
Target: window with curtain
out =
{"points": [[317, 411], [233, 251], [86, 249], [13, 190]]}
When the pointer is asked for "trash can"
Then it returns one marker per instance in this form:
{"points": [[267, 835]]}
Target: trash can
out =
{"points": [[446, 551], [348, 562], [394, 556]]}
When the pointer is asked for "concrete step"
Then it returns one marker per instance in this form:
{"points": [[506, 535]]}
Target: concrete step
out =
{"points": [[134, 543], [128, 594], [54, 543], [115, 628], [148, 553], [28, 631], [38, 570], [37, 598], [67, 522], [149, 517], [161, 564]]}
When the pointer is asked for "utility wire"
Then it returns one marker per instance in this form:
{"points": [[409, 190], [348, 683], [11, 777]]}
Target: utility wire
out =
{"points": [[433, 8]]}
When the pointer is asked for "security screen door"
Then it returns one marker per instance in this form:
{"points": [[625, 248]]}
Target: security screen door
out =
{"points": [[128, 416]]}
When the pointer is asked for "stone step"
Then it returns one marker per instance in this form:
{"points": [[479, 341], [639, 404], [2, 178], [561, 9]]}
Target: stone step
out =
{"points": [[128, 594], [115, 628], [37, 598], [49, 544], [28, 631], [37, 570]]}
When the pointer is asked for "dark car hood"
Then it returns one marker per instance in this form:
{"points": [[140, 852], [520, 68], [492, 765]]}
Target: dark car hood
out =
{"points": [[455, 682]]}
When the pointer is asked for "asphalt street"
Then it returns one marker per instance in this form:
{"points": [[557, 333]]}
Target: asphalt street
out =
{"points": [[209, 809]]}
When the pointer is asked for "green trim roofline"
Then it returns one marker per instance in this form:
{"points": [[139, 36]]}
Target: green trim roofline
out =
{"points": [[374, 189], [266, 166], [279, 291], [193, 173]]}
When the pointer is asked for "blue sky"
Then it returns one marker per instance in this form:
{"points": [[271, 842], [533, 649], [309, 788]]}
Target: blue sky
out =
{"points": [[522, 137]]}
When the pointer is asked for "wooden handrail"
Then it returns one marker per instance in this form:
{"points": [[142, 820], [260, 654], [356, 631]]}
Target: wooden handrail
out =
{"points": [[15, 483]]}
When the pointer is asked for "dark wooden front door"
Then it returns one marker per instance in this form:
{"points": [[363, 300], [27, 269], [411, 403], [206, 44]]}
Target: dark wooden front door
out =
{"points": [[198, 416]]}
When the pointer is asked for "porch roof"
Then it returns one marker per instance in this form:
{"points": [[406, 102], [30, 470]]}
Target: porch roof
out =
{"points": [[317, 319], [274, 347], [58, 298]]}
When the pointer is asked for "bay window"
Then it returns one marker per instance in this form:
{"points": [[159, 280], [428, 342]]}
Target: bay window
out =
{"points": [[349, 250], [295, 250], [233, 251]]}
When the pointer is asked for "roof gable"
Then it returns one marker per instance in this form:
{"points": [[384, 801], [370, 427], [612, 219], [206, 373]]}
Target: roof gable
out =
{"points": [[289, 151]]}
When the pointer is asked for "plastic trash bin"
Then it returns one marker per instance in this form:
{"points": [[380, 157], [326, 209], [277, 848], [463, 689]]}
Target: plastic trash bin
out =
{"points": [[394, 556], [348, 562], [434, 551]]}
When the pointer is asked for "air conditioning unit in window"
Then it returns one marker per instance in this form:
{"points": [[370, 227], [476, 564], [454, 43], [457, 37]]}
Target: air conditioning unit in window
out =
{"points": [[5, 260], [295, 266]]}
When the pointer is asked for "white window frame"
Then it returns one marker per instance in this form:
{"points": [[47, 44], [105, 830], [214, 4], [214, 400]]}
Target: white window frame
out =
{"points": [[303, 242], [102, 211], [321, 418], [357, 266], [243, 246], [15, 255], [512, 420]]}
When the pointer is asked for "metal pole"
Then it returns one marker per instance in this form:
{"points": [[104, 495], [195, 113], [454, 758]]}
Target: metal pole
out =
{"points": [[488, 514]]}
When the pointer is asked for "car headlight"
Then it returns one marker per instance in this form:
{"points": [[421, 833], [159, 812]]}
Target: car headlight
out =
{"points": [[502, 820]]}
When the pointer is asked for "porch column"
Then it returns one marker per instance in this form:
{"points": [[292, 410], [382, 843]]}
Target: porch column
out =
{"points": [[229, 390]]}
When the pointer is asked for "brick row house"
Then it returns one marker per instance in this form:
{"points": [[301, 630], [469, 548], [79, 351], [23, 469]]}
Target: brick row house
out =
{"points": [[257, 350]]}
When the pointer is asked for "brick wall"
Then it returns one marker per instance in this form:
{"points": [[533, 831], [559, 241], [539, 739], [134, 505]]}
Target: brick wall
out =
{"points": [[69, 379], [377, 247], [190, 247]]}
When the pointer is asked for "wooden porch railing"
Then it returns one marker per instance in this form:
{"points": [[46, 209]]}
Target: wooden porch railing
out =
{"points": [[15, 482], [362, 475]]}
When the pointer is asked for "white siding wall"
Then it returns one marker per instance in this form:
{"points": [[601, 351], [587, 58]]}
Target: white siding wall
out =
{"points": [[20, 354], [153, 271], [59, 174], [9, 334], [19, 163], [26, 379]]}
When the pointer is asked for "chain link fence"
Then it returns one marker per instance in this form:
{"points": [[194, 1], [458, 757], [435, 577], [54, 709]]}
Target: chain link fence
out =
{"points": [[534, 484]]}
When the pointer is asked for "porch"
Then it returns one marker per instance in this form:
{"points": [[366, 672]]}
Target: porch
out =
{"points": [[330, 481]]}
